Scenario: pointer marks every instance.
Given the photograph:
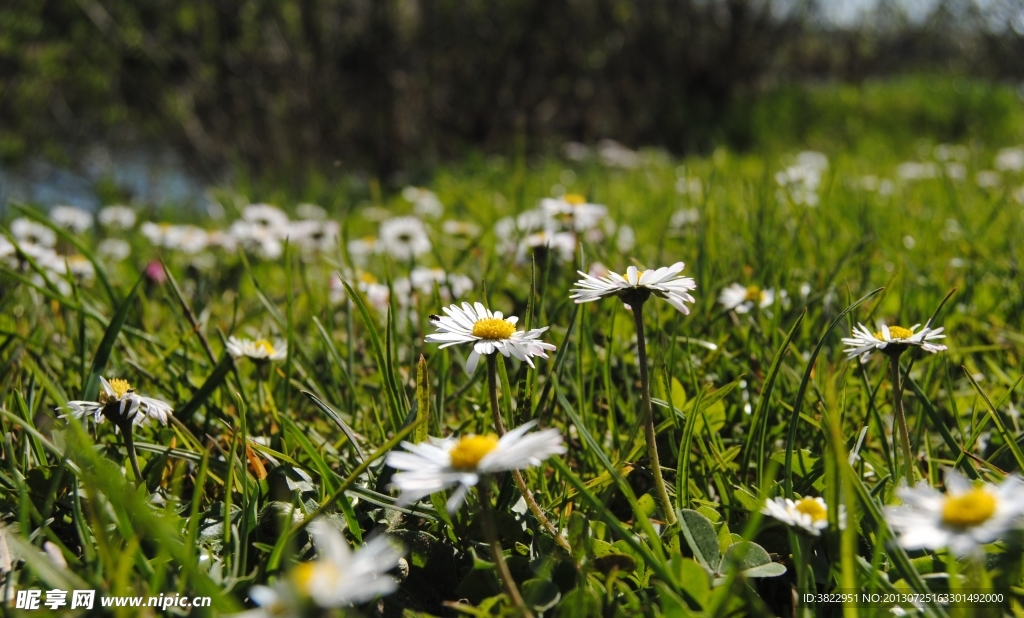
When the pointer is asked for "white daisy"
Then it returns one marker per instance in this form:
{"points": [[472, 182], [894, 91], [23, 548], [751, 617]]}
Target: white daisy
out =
{"points": [[260, 350], [743, 299], [262, 240], [119, 402], [637, 286], [28, 232], [115, 249], [963, 519], [1010, 159], [423, 280], [424, 202], [117, 217], [359, 249], [79, 266], [265, 215], [488, 332], [562, 244], [460, 229], [808, 514], [684, 218], [338, 577], [314, 236], [437, 465], [74, 219], [573, 212], [891, 339], [404, 238]]}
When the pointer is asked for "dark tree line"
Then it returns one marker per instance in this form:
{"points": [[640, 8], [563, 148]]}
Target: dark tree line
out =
{"points": [[390, 83]]}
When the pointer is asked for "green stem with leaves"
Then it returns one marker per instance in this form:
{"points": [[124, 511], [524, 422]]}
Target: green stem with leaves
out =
{"points": [[499, 426], [649, 429]]}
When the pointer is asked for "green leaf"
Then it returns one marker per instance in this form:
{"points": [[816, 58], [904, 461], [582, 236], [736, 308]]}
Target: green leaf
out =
{"points": [[700, 537], [581, 602]]}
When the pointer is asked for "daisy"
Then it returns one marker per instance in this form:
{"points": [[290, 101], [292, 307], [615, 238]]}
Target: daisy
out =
{"points": [[423, 280], [115, 249], [810, 515], [1010, 159], [260, 239], [573, 212], [742, 299], [74, 219], [338, 577], [311, 211], [404, 238], [562, 243], [963, 519], [424, 202], [359, 249], [636, 286], [260, 350], [119, 402], [314, 236], [265, 215], [437, 465], [28, 232], [488, 332], [891, 340], [117, 217]]}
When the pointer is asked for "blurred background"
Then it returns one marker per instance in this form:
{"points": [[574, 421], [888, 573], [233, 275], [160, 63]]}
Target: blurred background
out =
{"points": [[154, 99]]}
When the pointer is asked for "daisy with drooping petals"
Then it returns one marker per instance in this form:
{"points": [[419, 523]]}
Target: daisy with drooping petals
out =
{"points": [[434, 466], [260, 350], [743, 299], [119, 402], [892, 340], [338, 577], [963, 519], [488, 332], [637, 286], [810, 515]]}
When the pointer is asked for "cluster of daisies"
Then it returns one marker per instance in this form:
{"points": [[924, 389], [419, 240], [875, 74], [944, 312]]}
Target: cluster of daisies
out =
{"points": [[557, 225]]}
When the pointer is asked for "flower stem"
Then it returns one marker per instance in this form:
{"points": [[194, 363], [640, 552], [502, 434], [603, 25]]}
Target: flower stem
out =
{"points": [[499, 426], [497, 553], [129, 442], [901, 419], [649, 431]]}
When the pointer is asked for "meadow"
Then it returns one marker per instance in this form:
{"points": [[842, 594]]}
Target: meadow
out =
{"points": [[290, 343]]}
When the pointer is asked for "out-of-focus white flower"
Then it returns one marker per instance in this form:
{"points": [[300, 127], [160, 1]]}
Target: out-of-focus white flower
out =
{"points": [[802, 179], [563, 244], [614, 154], [891, 339], [1010, 159], [360, 249], [954, 152], [489, 332], [809, 515], [913, 170], [260, 350], [625, 240], [121, 404], [338, 577], [259, 239], [692, 187], [963, 519], [987, 179], [663, 282], [311, 211], [573, 212], [423, 279], [434, 466], [29, 232], [117, 217], [742, 299], [460, 229], [683, 218], [266, 215], [1018, 194], [404, 238], [956, 171], [314, 236], [575, 151], [424, 202], [79, 266], [69, 217]]}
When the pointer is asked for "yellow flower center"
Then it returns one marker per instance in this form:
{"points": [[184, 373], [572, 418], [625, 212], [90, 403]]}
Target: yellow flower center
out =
{"points": [[120, 388], [265, 346], [493, 328], [574, 198], [367, 278], [466, 455], [970, 509], [303, 573], [639, 274], [896, 332], [810, 506], [753, 293]]}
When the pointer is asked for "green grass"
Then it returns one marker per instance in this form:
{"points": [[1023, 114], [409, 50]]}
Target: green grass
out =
{"points": [[736, 397]]}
